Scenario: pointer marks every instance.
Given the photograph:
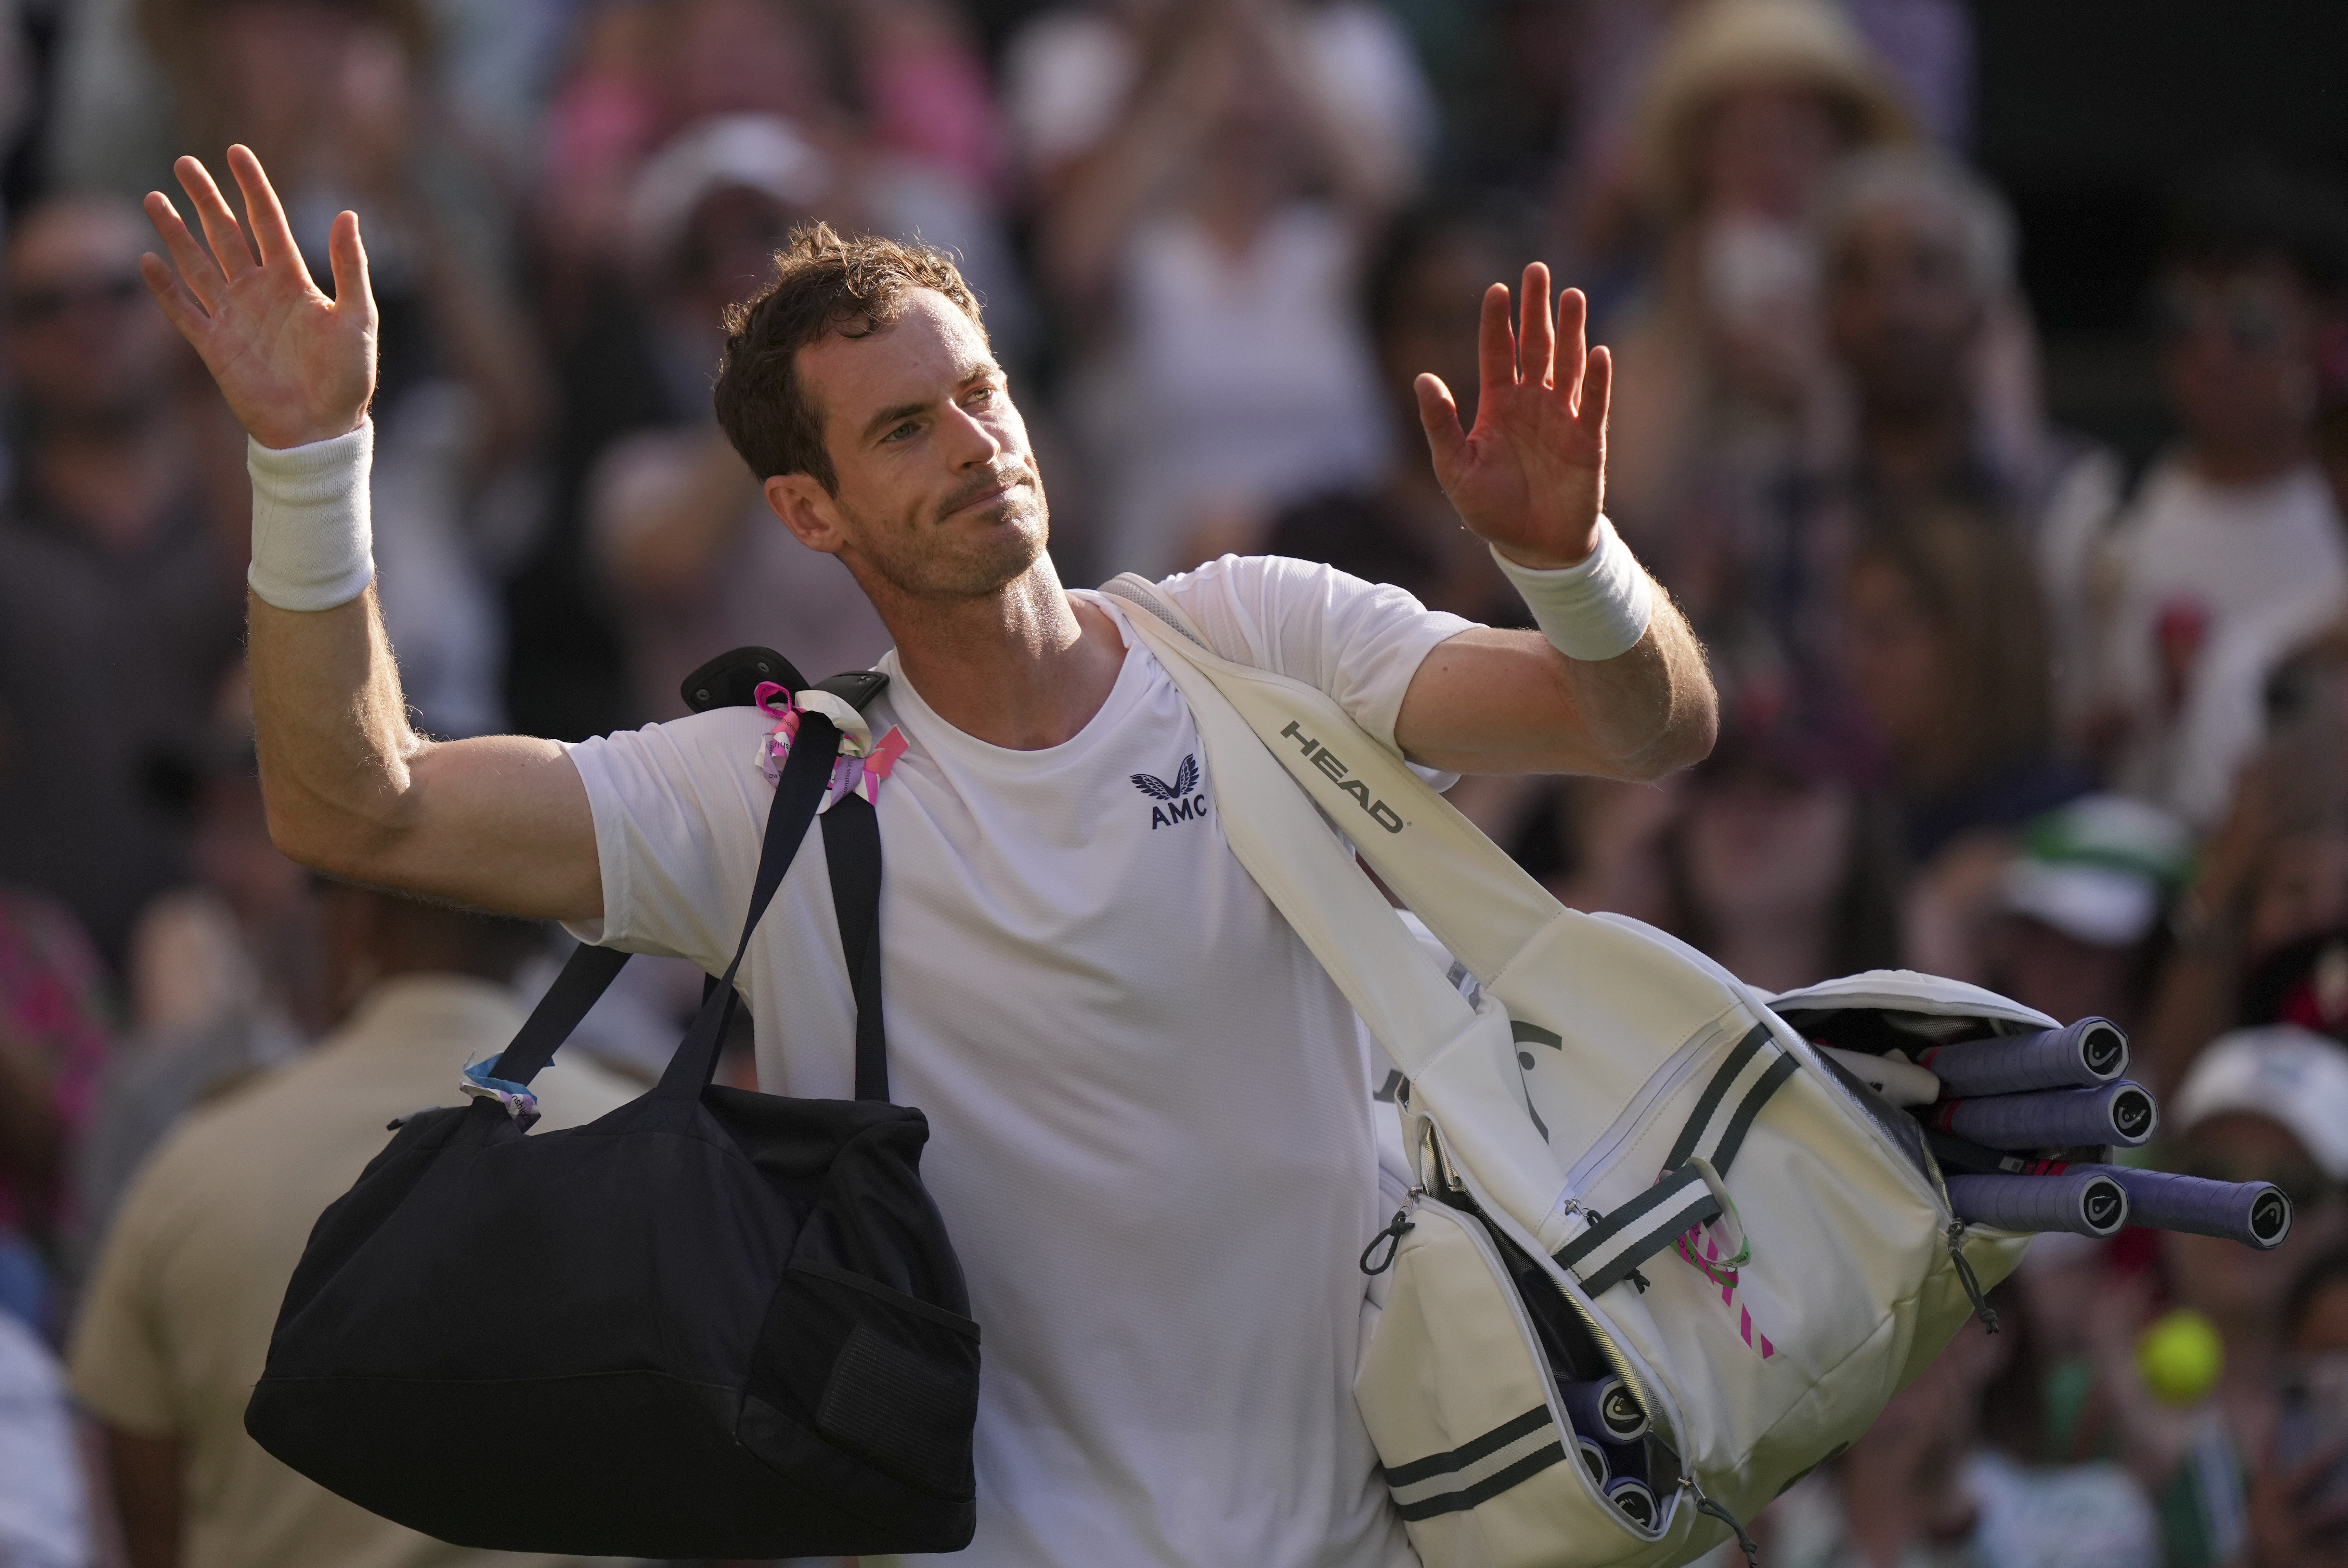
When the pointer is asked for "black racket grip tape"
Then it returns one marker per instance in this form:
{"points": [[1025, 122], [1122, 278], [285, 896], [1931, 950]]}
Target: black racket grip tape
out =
{"points": [[2255, 1213], [2086, 1202], [2119, 1113], [2083, 1055]]}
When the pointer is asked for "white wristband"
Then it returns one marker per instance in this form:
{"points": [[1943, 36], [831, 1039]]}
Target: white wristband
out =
{"points": [[312, 539], [1594, 609]]}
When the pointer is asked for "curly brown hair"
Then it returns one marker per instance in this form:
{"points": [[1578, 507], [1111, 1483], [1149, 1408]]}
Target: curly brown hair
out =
{"points": [[824, 282]]}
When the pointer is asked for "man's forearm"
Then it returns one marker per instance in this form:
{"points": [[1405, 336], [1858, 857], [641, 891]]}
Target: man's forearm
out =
{"points": [[1652, 710], [331, 728], [1639, 701], [1491, 701], [1617, 687], [500, 823]]}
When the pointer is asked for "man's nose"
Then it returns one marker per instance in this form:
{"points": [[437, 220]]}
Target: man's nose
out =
{"points": [[971, 440]]}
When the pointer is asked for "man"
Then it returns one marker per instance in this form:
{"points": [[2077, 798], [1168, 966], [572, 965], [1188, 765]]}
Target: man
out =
{"points": [[2232, 551], [1149, 1107], [1923, 319], [117, 595], [1925, 329], [175, 1328], [1921, 315]]}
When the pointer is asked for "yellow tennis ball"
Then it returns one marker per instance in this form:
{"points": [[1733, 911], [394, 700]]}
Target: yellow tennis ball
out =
{"points": [[2180, 1357]]}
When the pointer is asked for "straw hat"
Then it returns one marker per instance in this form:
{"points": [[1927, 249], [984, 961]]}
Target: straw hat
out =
{"points": [[1721, 44]]}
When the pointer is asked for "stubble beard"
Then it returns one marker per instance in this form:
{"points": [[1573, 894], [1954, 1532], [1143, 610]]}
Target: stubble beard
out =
{"points": [[932, 561]]}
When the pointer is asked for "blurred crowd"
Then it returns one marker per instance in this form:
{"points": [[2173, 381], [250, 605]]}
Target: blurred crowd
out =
{"points": [[1998, 702]]}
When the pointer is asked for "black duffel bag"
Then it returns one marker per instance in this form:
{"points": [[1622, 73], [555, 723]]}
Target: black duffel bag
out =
{"points": [[713, 1323]]}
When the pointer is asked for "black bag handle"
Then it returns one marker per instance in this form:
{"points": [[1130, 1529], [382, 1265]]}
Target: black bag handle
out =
{"points": [[797, 794], [852, 847], [851, 850]]}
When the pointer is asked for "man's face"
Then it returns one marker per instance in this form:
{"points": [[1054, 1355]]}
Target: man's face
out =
{"points": [[83, 341], [1903, 308], [939, 497], [2238, 353]]}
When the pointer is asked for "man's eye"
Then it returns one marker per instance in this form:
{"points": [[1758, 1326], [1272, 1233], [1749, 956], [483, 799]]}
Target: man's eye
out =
{"points": [[900, 432], [982, 394]]}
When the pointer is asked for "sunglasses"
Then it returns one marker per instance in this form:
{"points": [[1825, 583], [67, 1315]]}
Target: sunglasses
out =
{"points": [[43, 303]]}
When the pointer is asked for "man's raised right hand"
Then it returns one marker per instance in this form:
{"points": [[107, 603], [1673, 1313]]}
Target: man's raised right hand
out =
{"points": [[295, 365]]}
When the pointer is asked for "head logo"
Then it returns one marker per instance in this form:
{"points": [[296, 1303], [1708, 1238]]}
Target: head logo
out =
{"points": [[2103, 1205], [2132, 1112], [1180, 805], [1321, 757]]}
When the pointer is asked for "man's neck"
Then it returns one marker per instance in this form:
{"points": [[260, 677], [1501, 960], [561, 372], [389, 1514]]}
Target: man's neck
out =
{"points": [[1024, 668], [117, 478]]}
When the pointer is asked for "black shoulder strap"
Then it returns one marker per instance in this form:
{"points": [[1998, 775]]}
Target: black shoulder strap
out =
{"points": [[851, 848]]}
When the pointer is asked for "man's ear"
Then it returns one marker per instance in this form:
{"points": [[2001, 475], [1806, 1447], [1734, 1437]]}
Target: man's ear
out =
{"points": [[808, 510]]}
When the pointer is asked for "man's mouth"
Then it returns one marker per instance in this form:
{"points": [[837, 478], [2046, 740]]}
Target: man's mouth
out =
{"points": [[986, 497]]}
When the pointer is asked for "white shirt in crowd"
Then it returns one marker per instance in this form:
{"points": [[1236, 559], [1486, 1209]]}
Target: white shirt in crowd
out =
{"points": [[1236, 381], [1068, 71], [1150, 1108], [2215, 583]]}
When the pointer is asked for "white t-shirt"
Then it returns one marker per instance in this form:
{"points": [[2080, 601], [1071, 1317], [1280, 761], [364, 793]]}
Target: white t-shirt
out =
{"points": [[2215, 583], [1150, 1108]]}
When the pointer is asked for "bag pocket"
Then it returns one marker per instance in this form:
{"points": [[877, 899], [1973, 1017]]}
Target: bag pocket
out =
{"points": [[884, 1376], [1456, 1391]]}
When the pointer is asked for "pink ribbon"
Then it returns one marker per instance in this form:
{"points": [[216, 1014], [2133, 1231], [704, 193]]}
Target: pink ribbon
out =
{"points": [[850, 774]]}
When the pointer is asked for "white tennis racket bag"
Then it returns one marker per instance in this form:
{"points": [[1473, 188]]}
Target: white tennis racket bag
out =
{"points": [[1628, 1167]]}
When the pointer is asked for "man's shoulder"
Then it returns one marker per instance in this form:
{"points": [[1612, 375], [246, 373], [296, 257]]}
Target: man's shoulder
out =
{"points": [[721, 744], [1239, 570], [709, 730], [1266, 590]]}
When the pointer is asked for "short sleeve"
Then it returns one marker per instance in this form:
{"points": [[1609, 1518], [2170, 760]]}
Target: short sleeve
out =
{"points": [[679, 808], [1359, 642], [117, 1362]]}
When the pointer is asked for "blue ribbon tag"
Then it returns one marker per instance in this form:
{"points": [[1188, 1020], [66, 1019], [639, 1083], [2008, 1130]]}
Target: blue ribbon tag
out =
{"points": [[519, 1103]]}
